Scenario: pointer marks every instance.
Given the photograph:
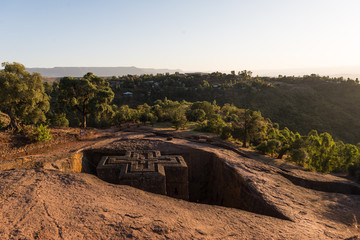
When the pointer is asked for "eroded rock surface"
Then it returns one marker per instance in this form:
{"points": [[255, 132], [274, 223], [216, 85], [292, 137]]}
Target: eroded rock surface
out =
{"points": [[231, 197]]}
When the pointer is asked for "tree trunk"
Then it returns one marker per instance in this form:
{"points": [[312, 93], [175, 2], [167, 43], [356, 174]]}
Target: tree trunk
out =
{"points": [[245, 132], [83, 121], [245, 137], [14, 124]]}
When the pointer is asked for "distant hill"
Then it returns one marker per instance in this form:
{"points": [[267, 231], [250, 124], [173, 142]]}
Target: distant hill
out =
{"points": [[56, 72], [99, 71], [352, 72]]}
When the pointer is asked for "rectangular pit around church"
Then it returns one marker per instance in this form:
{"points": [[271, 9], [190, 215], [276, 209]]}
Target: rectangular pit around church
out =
{"points": [[147, 170]]}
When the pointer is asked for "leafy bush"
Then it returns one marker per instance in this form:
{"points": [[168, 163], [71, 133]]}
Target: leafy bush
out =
{"points": [[226, 132], [125, 114], [299, 156], [269, 147], [41, 133], [215, 124], [178, 119], [196, 115], [262, 147], [354, 171], [60, 120]]}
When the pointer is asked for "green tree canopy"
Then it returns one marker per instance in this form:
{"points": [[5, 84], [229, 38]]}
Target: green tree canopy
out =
{"points": [[22, 95], [125, 114], [89, 95], [254, 128], [207, 107]]}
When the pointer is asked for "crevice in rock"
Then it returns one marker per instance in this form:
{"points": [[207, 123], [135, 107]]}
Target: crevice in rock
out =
{"points": [[330, 187]]}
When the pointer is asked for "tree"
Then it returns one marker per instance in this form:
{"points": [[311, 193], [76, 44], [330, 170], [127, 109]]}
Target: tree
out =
{"points": [[178, 119], [145, 113], [245, 75], [254, 130], [87, 96], [269, 147], [287, 139], [206, 84], [205, 106], [230, 113], [214, 124], [125, 114], [22, 95], [322, 151], [300, 156], [196, 115]]}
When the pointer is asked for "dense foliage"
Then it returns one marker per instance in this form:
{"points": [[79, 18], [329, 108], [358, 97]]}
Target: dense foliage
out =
{"points": [[299, 103], [313, 151], [22, 95], [89, 95], [304, 103]]}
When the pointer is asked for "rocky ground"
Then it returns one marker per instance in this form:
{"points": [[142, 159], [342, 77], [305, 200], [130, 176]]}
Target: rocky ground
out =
{"points": [[43, 198]]}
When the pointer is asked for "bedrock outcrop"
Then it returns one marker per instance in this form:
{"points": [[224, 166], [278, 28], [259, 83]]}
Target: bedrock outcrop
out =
{"points": [[231, 196]]}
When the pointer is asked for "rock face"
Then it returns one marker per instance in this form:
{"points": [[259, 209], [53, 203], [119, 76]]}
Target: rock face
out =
{"points": [[231, 196], [147, 170]]}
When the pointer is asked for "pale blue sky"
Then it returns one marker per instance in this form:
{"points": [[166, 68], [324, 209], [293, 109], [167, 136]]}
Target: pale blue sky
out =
{"points": [[193, 35]]}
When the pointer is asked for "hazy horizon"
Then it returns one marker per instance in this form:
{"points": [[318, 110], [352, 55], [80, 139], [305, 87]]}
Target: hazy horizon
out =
{"points": [[204, 36], [345, 72]]}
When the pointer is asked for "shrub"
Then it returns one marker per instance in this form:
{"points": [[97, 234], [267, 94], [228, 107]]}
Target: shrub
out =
{"points": [[300, 156], [262, 147], [125, 114], [153, 119], [354, 171], [196, 115], [226, 132], [179, 120], [215, 124], [41, 133], [60, 120], [269, 147]]}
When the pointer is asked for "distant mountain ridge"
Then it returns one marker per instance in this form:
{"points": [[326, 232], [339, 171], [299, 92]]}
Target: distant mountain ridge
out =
{"points": [[56, 72], [345, 72], [99, 71]]}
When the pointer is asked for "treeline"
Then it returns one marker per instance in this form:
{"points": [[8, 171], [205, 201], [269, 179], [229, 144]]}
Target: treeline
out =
{"points": [[314, 151], [299, 103], [88, 101]]}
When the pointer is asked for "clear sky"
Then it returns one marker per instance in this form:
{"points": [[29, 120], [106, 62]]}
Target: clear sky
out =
{"points": [[192, 35]]}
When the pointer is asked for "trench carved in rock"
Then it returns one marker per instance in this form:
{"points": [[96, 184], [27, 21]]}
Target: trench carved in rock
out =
{"points": [[210, 180]]}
